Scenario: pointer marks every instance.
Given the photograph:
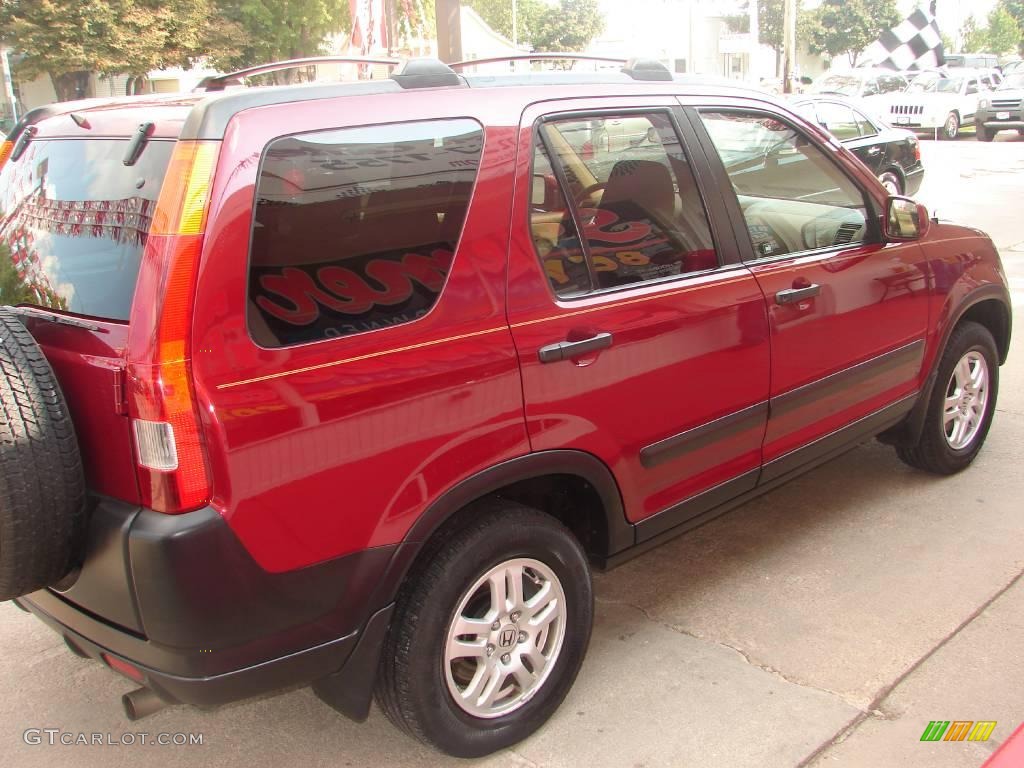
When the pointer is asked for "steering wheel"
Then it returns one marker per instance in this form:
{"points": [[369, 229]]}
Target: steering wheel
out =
{"points": [[586, 192]]}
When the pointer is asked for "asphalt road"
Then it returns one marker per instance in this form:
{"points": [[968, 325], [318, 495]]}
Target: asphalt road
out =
{"points": [[823, 624]]}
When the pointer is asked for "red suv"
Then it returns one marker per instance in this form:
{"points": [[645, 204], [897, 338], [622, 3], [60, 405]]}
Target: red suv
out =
{"points": [[352, 384]]}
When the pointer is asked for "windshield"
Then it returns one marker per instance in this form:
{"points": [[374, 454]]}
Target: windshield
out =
{"points": [[949, 85], [1014, 81], [73, 223], [846, 85], [924, 83]]}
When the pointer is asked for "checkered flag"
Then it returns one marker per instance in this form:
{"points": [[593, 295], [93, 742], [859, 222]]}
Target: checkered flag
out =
{"points": [[915, 43]]}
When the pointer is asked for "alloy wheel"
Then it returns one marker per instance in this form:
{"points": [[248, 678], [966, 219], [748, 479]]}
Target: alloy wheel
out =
{"points": [[505, 638], [966, 397]]}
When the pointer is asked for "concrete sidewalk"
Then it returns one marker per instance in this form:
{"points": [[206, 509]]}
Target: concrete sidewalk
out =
{"points": [[823, 624]]}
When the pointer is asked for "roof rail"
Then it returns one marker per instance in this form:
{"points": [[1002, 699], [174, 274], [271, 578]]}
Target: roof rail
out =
{"points": [[638, 69], [220, 82], [426, 73], [537, 57]]}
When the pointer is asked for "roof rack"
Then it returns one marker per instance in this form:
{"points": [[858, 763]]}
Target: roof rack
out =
{"points": [[638, 69], [537, 57], [220, 82]]}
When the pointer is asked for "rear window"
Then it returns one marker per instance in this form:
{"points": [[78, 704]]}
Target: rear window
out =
{"points": [[73, 224], [355, 229]]}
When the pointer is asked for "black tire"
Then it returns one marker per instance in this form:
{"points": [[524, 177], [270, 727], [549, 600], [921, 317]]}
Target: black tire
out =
{"points": [[983, 134], [892, 182], [42, 488], [933, 452], [412, 687], [950, 128]]}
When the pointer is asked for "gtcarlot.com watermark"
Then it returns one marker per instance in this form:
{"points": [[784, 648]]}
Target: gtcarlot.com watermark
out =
{"points": [[58, 737]]}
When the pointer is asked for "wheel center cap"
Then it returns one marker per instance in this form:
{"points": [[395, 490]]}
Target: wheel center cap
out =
{"points": [[507, 636]]}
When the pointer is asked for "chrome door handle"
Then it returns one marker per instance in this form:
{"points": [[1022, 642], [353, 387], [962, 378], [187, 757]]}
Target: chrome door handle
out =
{"points": [[793, 295], [566, 350]]}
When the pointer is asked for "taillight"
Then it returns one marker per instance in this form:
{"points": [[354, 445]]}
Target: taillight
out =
{"points": [[917, 151], [171, 458], [5, 152]]}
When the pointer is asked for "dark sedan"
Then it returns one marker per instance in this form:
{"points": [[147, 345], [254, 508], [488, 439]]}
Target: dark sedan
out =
{"points": [[892, 154]]}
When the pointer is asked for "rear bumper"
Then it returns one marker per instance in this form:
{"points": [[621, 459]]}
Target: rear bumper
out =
{"points": [[92, 638], [179, 598]]}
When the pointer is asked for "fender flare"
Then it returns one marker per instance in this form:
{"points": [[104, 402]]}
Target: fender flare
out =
{"points": [[910, 431], [621, 533]]}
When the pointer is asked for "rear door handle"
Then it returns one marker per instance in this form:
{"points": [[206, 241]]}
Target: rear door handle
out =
{"points": [[793, 295], [566, 350]]}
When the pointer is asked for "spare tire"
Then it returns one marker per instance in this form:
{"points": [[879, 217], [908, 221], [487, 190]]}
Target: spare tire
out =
{"points": [[42, 486]]}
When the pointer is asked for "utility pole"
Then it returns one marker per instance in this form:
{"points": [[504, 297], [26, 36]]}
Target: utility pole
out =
{"points": [[788, 43], [449, 30], [755, 41], [515, 32]]}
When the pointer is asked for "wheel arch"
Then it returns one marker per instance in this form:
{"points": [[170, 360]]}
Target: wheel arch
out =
{"points": [[987, 305], [523, 478]]}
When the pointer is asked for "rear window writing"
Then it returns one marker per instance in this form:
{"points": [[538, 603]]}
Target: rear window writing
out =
{"points": [[355, 229], [73, 224]]}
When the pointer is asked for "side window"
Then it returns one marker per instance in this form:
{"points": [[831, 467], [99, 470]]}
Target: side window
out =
{"points": [[626, 184], [871, 87], [839, 120], [355, 229], [972, 87], [792, 196], [864, 126]]}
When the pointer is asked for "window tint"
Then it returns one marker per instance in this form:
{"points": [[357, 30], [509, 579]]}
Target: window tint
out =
{"points": [[73, 224], [839, 120], [626, 182], [793, 197], [355, 229]]}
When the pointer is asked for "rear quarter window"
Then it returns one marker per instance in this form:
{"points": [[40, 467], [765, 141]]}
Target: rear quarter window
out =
{"points": [[73, 224], [355, 229]]}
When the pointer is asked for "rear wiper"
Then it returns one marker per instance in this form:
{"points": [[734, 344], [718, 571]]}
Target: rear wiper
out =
{"points": [[138, 143], [55, 317]]}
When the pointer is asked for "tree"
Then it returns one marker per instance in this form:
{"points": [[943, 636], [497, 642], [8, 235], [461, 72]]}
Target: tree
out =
{"points": [[569, 26], [972, 39], [273, 30], [498, 16], [1016, 9], [770, 18], [1003, 34], [850, 26], [70, 41]]}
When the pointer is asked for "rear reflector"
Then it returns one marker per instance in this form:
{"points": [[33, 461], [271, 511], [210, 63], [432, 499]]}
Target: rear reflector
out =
{"points": [[154, 441], [126, 669]]}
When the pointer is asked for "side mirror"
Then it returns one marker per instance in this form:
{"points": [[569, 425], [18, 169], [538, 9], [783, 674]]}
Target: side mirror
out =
{"points": [[904, 219]]}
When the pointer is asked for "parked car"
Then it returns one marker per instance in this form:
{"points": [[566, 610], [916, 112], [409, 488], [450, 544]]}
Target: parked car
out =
{"points": [[1001, 109], [939, 105], [352, 384], [972, 60], [863, 83], [1013, 67], [892, 154]]}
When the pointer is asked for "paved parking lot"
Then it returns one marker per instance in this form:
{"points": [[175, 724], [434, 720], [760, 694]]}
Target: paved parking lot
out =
{"points": [[823, 624]]}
